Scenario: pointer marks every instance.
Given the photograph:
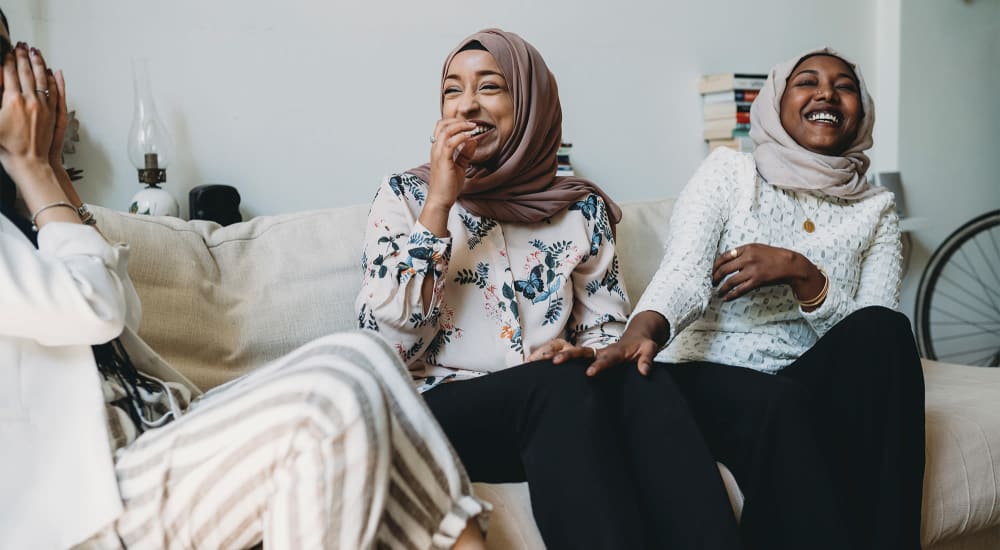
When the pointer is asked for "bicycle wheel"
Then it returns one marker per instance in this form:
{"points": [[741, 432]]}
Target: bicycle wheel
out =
{"points": [[958, 301]]}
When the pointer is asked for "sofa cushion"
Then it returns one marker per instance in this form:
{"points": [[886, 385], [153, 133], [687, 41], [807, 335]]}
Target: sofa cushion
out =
{"points": [[962, 475], [640, 239], [220, 301]]}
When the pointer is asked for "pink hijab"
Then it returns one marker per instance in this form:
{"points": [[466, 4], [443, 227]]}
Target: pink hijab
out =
{"points": [[521, 185], [786, 164]]}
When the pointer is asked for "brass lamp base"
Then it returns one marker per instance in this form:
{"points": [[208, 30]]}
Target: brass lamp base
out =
{"points": [[152, 175]]}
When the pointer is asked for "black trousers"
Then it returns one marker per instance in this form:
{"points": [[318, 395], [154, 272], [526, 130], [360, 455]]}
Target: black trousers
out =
{"points": [[615, 461], [847, 470]]}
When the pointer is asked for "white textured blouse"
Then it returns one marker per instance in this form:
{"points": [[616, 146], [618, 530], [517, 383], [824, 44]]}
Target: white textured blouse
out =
{"points": [[727, 204], [500, 289]]}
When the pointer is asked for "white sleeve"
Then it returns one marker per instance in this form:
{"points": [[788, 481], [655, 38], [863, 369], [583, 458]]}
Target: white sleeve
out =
{"points": [[879, 282], [682, 286], [72, 290]]}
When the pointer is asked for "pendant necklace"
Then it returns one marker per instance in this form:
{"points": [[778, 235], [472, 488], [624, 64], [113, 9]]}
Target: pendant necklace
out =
{"points": [[808, 225]]}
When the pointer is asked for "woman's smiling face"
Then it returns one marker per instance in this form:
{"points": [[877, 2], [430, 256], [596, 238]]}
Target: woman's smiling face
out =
{"points": [[821, 107], [475, 89]]}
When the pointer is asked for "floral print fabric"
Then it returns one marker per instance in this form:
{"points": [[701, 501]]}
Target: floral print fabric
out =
{"points": [[500, 289]]}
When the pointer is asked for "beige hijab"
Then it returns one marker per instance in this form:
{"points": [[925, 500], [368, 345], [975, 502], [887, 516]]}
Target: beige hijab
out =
{"points": [[520, 185], [786, 164]]}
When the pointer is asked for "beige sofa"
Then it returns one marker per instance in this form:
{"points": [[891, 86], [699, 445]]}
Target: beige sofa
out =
{"points": [[220, 301]]}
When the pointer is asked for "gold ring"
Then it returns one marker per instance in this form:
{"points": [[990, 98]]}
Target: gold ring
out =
{"points": [[595, 351], [734, 253]]}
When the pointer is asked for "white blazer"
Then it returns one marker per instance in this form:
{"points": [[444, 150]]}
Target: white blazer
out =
{"points": [[57, 475]]}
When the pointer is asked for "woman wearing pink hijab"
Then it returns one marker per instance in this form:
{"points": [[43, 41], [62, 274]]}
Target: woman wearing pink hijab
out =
{"points": [[782, 269], [484, 260]]}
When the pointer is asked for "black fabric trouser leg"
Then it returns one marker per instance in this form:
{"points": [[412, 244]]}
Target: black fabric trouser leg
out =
{"points": [[563, 432], [760, 427], [866, 377], [684, 503]]}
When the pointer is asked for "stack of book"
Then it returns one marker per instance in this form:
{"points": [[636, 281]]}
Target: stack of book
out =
{"points": [[564, 168], [726, 100]]}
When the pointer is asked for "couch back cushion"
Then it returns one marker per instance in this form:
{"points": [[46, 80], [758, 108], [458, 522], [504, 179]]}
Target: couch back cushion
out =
{"points": [[221, 301]]}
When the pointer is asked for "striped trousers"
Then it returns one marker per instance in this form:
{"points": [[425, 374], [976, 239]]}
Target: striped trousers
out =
{"points": [[327, 447]]}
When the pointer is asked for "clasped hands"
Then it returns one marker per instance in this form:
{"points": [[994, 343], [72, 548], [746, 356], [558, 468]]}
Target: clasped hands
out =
{"points": [[33, 125], [33, 117]]}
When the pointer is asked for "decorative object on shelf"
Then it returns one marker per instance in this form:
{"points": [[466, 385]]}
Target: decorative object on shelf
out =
{"points": [[150, 149], [217, 203]]}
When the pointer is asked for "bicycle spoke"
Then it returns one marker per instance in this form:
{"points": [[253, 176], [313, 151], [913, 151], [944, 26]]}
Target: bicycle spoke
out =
{"points": [[989, 264], [967, 306], [989, 291], [996, 251], [963, 288], [996, 248], [969, 272], [968, 351], [946, 313], [966, 335], [967, 323]]}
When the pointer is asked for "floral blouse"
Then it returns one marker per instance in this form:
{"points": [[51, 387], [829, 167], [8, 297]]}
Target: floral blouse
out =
{"points": [[500, 289]]}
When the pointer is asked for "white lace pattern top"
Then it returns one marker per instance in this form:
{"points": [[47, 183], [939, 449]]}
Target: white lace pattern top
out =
{"points": [[727, 204]]}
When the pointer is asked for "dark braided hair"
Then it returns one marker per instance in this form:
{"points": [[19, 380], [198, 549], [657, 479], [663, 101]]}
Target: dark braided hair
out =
{"points": [[112, 360]]}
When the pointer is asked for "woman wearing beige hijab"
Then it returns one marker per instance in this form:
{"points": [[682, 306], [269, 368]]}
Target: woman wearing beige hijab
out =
{"points": [[787, 263], [483, 260]]}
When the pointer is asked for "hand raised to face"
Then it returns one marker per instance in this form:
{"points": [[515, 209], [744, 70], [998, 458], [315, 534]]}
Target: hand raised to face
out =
{"points": [[451, 152], [27, 109]]}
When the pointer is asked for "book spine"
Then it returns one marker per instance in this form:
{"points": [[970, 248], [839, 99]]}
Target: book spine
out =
{"points": [[726, 96], [749, 81], [738, 130]]}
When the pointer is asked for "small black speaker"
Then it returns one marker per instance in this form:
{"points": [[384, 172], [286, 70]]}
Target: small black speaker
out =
{"points": [[217, 203]]}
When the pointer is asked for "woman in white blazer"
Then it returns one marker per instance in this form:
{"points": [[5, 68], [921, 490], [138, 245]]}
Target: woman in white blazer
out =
{"points": [[328, 447]]}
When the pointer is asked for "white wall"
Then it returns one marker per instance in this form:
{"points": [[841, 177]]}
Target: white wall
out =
{"points": [[949, 149], [307, 103]]}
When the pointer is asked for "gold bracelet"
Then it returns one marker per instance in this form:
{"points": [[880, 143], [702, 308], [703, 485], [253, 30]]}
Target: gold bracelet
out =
{"points": [[34, 226], [819, 297]]}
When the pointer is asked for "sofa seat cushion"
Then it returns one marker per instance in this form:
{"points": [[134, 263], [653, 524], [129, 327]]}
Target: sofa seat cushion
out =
{"points": [[962, 475]]}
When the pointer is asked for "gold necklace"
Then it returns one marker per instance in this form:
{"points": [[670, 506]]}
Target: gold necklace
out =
{"points": [[808, 225]]}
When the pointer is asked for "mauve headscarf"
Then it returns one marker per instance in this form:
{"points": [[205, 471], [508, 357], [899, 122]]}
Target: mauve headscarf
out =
{"points": [[786, 164], [520, 185]]}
